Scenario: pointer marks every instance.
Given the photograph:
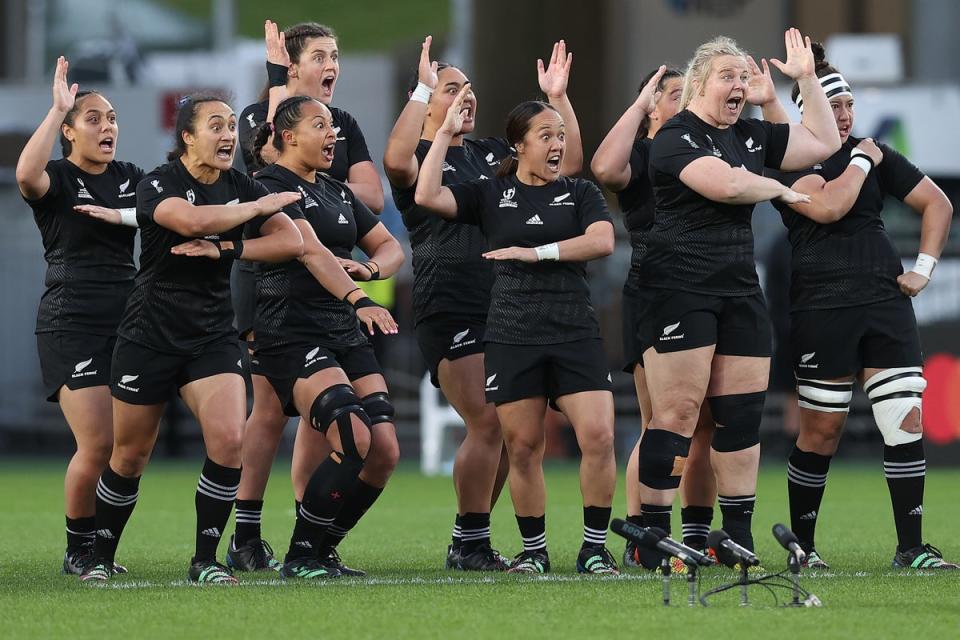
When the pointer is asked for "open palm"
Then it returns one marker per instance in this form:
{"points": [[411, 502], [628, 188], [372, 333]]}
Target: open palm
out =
{"points": [[800, 61], [553, 80]]}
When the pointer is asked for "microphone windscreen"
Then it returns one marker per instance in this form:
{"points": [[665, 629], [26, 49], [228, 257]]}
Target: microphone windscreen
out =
{"points": [[715, 541]]}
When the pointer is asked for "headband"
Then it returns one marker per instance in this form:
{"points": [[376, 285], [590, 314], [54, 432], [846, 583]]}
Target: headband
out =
{"points": [[833, 85]]}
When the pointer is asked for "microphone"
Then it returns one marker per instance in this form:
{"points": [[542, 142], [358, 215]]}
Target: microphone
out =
{"points": [[788, 540], [655, 538], [729, 553]]}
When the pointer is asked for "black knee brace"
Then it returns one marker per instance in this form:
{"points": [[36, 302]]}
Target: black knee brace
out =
{"points": [[378, 407], [662, 456], [336, 404], [738, 420]]}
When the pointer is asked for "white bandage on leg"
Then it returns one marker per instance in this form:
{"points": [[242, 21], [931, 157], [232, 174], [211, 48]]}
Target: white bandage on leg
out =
{"points": [[894, 393], [820, 395]]}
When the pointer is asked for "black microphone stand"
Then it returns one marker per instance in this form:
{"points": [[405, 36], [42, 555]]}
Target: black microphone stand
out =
{"points": [[794, 565], [692, 585], [744, 602], [665, 572]]}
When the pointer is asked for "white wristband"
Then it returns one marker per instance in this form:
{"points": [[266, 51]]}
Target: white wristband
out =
{"points": [[861, 163], [128, 217], [925, 265], [548, 252], [421, 94]]}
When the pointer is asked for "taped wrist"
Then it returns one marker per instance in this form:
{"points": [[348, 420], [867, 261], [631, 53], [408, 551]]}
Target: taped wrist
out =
{"points": [[663, 455], [276, 74]]}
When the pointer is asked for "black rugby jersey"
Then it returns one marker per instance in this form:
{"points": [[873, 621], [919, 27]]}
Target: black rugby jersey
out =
{"points": [[292, 307], [179, 304], [351, 145], [449, 275], [636, 202], [534, 303], [696, 244], [852, 261], [90, 266]]}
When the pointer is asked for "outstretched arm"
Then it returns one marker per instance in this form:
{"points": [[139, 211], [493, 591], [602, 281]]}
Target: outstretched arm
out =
{"points": [[553, 82], [399, 158]]}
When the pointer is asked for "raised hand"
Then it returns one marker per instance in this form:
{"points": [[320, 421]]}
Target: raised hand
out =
{"points": [[453, 122], [800, 62], [760, 87], [522, 254], [64, 95], [105, 214], [378, 316], [276, 44], [553, 80], [650, 94], [273, 202], [427, 70], [197, 249], [868, 146]]}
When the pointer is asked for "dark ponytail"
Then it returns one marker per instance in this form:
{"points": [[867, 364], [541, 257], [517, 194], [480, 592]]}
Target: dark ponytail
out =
{"points": [[671, 72], [288, 115], [821, 67], [186, 120], [66, 147], [518, 123]]}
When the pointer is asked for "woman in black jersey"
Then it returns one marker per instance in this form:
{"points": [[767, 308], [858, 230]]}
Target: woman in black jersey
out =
{"points": [[90, 272], [451, 290], [302, 60], [851, 318], [309, 346], [708, 334], [542, 340], [620, 164], [176, 330]]}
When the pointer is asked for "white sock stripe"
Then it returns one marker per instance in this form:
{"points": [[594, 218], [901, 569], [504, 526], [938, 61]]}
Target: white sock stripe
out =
{"points": [[475, 536], [337, 531], [122, 502], [737, 500], [215, 485], [243, 517], [805, 474], [309, 517], [250, 515], [216, 490], [695, 528], [534, 546], [216, 496], [912, 474], [905, 464], [537, 538], [468, 532], [812, 485], [82, 534], [799, 478], [457, 530], [592, 530], [108, 492]]}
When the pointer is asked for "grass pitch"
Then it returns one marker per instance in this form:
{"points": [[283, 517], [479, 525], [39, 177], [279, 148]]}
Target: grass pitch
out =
{"points": [[402, 542]]}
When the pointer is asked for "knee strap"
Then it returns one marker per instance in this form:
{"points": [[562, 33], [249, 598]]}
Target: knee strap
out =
{"points": [[337, 404], [662, 457], [378, 407], [828, 397], [738, 419], [894, 393]]}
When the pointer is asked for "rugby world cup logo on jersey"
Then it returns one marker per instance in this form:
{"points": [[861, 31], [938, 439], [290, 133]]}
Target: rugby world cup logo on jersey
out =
{"points": [[491, 160], [562, 201], [80, 369], [461, 340], [307, 199], [448, 167], [751, 147], [125, 382], [82, 192], [669, 333], [123, 190], [507, 199], [191, 196], [156, 185], [311, 357], [336, 132], [805, 361]]}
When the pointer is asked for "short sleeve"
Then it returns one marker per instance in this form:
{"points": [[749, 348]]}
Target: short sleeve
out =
{"points": [[776, 135], [673, 149], [639, 164], [365, 218], [57, 177], [898, 176], [470, 197], [356, 144], [270, 184], [591, 205], [151, 191]]}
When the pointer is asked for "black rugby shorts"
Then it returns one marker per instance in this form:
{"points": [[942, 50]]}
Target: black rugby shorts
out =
{"points": [[77, 360]]}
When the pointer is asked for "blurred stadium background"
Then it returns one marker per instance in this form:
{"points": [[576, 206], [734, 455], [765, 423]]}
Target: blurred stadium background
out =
{"points": [[900, 55]]}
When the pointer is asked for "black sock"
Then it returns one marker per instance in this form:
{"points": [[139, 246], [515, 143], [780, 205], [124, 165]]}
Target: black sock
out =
{"points": [[116, 498], [248, 515], [655, 515], [475, 531], [216, 492], [358, 500], [695, 524], [595, 522], [737, 518], [322, 500], [806, 480], [456, 537], [533, 531], [906, 468], [81, 532], [637, 520]]}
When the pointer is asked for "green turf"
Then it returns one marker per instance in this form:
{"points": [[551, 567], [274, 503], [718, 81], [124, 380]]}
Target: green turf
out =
{"points": [[401, 543]]}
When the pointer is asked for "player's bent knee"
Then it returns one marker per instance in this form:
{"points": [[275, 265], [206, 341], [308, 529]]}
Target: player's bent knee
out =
{"points": [[378, 407], [897, 395], [338, 404], [827, 397], [663, 455], [737, 417]]}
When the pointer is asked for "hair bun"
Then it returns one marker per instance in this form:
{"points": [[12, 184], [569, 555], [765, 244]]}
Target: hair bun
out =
{"points": [[819, 56]]}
